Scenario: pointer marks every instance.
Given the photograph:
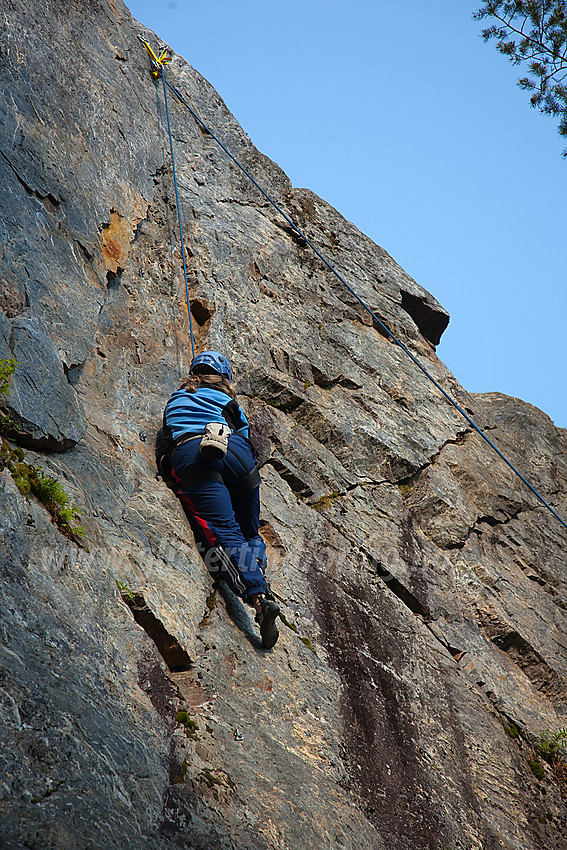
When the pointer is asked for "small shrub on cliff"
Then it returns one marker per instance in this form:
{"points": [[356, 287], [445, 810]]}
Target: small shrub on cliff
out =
{"points": [[47, 490], [552, 748], [7, 369], [50, 492], [554, 745], [190, 726], [31, 479], [125, 592]]}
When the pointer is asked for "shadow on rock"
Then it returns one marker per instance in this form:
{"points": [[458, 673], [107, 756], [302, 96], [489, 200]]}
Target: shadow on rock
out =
{"points": [[239, 616]]}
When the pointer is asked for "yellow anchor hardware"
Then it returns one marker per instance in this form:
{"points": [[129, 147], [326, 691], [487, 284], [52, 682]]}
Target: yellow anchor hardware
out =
{"points": [[158, 62]]}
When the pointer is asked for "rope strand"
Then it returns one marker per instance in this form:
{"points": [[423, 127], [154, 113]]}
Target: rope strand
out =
{"points": [[165, 83], [325, 261]]}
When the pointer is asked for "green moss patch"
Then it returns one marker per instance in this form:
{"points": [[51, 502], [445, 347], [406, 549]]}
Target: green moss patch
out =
{"points": [[536, 768], [7, 369], [294, 628], [32, 480], [208, 777], [325, 502], [190, 726]]}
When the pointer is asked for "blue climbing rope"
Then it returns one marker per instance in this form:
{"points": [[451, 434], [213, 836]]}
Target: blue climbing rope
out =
{"points": [[178, 213], [158, 63], [325, 261]]}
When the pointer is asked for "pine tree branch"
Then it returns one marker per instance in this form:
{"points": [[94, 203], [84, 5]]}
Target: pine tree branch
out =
{"points": [[543, 49], [539, 43]]}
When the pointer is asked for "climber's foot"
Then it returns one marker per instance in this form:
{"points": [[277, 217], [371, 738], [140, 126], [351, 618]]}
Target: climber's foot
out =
{"points": [[266, 614]]}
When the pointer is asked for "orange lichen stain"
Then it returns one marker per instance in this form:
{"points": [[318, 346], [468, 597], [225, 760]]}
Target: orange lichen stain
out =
{"points": [[112, 249], [117, 235], [116, 238]]}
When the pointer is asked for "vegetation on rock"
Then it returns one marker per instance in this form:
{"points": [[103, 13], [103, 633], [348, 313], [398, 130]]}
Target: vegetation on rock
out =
{"points": [[534, 32], [30, 479], [7, 369], [552, 748]]}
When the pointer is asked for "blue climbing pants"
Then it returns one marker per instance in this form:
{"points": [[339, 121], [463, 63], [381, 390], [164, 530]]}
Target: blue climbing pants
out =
{"points": [[224, 514]]}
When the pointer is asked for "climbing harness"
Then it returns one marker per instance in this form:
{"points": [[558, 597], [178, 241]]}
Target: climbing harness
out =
{"points": [[166, 447], [158, 70]]}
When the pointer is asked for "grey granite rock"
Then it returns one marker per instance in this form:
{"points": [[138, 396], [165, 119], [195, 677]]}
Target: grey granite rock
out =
{"points": [[44, 407], [424, 588]]}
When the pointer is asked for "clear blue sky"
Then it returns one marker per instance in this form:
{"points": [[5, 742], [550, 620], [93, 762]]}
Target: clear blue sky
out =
{"points": [[401, 117]]}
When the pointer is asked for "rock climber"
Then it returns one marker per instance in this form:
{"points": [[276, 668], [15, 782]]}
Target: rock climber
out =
{"points": [[215, 475]]}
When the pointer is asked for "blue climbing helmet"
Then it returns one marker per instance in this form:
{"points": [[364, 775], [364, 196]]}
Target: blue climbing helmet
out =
{"points": [[211, 360]]}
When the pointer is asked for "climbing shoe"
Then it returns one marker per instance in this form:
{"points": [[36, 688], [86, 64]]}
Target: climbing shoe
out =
{"points": [[266, 619]]}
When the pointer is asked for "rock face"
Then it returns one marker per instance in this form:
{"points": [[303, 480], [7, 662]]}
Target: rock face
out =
{"points": [[424, 648]]}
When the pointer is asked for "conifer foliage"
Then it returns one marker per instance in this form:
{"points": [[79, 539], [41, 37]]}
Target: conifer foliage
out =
{"points": [[534, 32]]}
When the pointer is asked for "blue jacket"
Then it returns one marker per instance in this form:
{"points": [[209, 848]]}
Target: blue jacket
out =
{"points": [[189, 412]]}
